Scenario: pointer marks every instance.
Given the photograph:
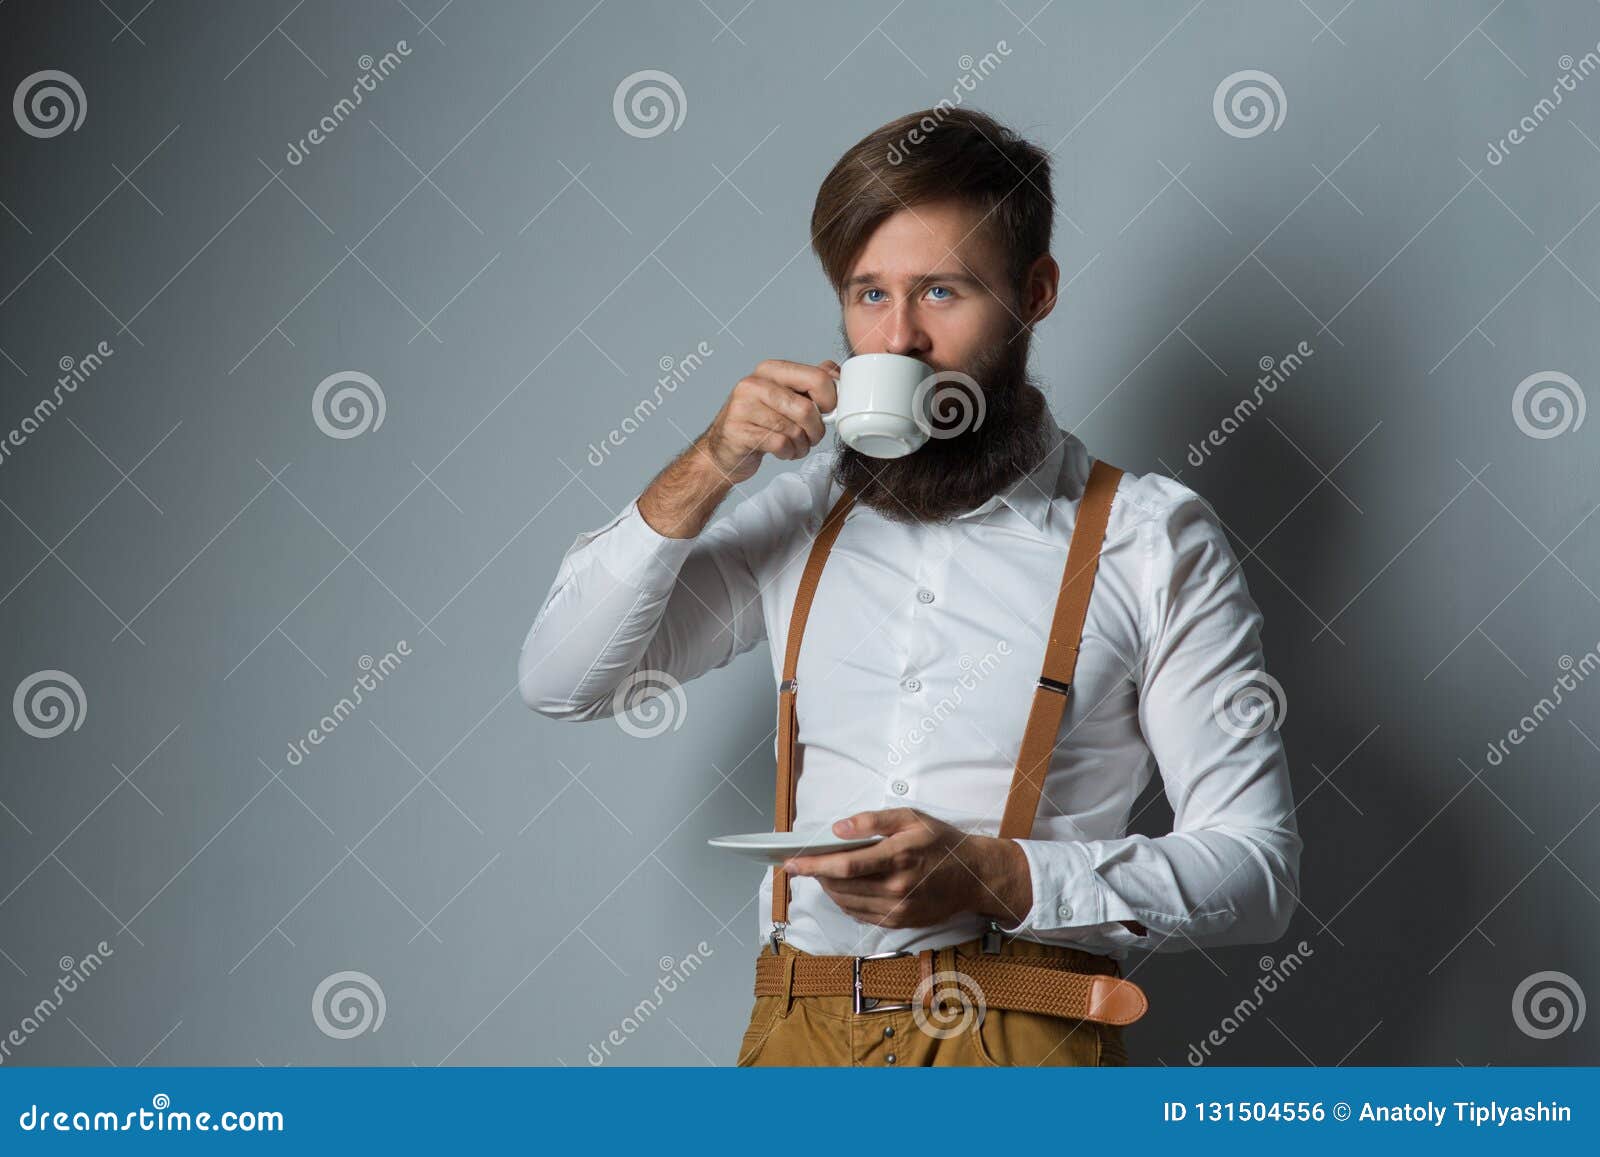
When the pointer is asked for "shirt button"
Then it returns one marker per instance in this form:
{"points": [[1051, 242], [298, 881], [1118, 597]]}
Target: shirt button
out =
{"points": [[889, 1060], [899, 787], [888, 1031], [924, 595], [1064, 911], [912, 684]]}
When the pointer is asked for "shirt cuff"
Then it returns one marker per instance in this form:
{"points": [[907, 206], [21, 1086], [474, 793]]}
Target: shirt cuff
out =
{"points": [[1063, 896], [1068, 894], [635, 553]]}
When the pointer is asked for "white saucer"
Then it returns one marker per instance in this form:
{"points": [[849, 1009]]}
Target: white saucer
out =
{"points": [[776, 847]]}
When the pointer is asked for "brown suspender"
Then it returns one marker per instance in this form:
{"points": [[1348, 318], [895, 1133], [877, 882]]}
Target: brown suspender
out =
{"points": [[1050, 694], [787, 721], [1060, 653]]}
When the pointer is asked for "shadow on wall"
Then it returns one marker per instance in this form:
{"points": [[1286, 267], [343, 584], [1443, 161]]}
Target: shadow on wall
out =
{"points": [[1393, 871]]}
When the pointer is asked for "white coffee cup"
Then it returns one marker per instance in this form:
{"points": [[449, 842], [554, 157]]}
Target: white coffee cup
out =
{"points": [[882, 412]]}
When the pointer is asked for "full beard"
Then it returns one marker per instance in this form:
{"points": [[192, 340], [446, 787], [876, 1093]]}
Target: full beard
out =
{"points": [[952, 474]]}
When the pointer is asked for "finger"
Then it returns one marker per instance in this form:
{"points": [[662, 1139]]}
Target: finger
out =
{"points": [[889, 888], [894, 917], [759, 405], [815, 382], [834, 370], [871, 861], [791, 408], [878, 823], [861, 907], [773, 433], [827, 399]]}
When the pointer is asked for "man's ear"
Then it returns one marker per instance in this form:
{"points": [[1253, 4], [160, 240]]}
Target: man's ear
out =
{"points": [[1040, 289]]}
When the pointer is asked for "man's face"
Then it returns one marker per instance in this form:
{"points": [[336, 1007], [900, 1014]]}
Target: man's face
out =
{"points": [[931, 283]]}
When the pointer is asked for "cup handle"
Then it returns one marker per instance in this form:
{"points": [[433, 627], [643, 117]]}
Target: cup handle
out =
{"points": [[832, 415]]}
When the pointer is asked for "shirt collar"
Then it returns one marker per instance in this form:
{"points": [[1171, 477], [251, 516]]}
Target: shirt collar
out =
{"points": [[1033, 495]]}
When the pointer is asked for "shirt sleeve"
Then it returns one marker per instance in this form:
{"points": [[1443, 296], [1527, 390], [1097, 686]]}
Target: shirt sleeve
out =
{"points": [[1229, 871], [629, 600]]}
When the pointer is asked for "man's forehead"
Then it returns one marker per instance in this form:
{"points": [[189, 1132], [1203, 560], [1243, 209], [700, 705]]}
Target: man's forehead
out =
{"points": [[915, 242]]}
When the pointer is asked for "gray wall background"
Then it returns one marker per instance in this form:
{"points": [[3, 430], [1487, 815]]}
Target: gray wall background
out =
{"points": [[484, 240]]}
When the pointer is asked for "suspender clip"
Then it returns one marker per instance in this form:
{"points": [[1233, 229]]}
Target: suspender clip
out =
{"points": [[779, 927], [991, 938], [789, 685], [1056, 685]]}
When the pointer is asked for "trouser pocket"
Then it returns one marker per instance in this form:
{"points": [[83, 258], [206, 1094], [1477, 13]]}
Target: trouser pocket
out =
{"points": [[1012, 1038], [763, 1019]]}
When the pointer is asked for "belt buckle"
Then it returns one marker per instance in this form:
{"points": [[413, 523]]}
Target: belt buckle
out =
{"points": [[871, 1003]]}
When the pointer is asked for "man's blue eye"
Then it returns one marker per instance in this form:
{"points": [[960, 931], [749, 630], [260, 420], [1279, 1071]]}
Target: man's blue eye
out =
{"points": [[868, 294], [939, 289]]}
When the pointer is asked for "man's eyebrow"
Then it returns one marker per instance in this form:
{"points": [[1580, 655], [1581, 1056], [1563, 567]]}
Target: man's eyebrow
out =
{"points": [[956, 275]]}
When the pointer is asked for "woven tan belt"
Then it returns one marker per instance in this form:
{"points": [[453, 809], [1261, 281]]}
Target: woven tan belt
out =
{"points": [[1024, 984]]}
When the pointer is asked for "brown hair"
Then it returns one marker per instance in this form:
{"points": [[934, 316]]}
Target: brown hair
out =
{"points": [[930, 155]]}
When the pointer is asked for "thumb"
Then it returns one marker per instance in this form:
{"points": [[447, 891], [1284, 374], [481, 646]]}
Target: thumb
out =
{"points": [[878, 823]]}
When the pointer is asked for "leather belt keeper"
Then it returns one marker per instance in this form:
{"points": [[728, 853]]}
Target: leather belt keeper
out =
{"points": [[1005, 982]]}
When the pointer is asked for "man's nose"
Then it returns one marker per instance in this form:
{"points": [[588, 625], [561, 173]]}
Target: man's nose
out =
{"points": [[904, 333]]}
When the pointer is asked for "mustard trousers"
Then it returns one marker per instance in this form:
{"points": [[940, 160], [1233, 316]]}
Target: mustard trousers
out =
{"points": [[825, 1030]]}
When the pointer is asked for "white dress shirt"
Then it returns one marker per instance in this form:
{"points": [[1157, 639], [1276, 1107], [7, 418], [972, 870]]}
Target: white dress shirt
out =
{"points": [[916, 673]]}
